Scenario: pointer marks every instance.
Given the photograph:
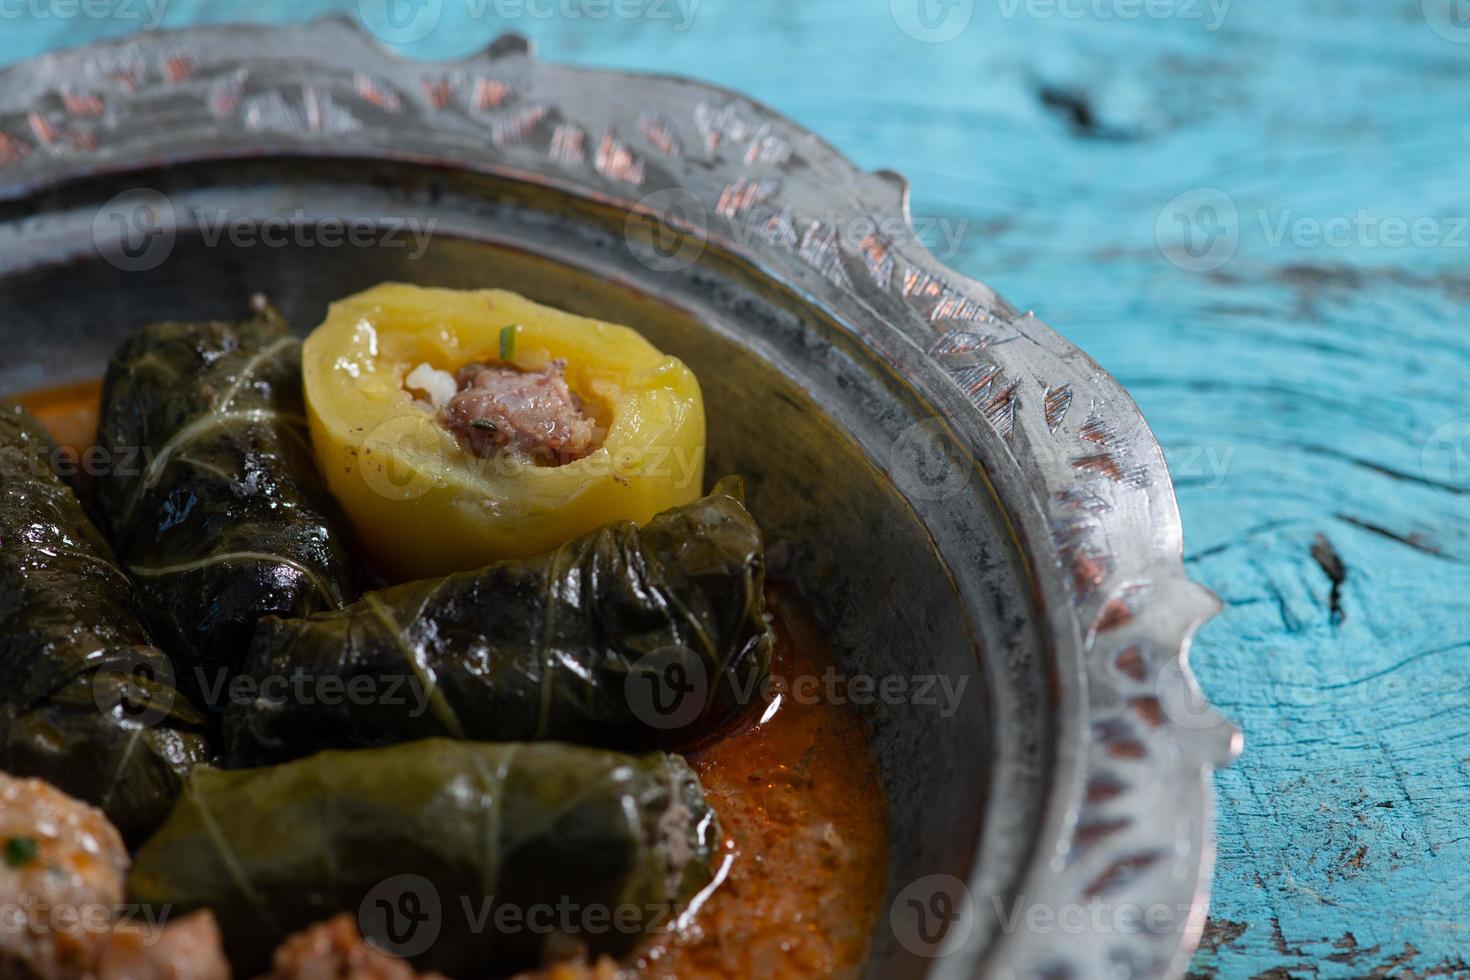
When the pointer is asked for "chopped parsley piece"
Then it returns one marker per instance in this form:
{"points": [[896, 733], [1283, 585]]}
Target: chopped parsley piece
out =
{"points": [[20, 851], [508, 341]]}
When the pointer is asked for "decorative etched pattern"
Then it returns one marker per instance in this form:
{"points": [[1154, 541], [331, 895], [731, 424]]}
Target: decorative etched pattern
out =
{"points": [[616, 160], [1056, 404], [569, 145], [940, 302], [660, 132], [743, 194]]}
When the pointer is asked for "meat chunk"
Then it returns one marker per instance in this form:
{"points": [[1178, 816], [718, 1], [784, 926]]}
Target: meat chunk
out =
{"points": [[577, 968], [335, 950], [527, 414], [187, 949], [61, 872]]}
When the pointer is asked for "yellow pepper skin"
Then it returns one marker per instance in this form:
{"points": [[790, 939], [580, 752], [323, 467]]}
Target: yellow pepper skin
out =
{"points": [[422, 505]]}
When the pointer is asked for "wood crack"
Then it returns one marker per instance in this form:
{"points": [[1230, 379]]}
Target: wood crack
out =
{"points": [[1332, 565], [1408, 541]]}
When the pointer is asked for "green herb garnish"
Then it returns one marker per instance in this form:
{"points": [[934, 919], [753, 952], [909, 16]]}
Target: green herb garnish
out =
{"points": [[20, 851], [485, 424], [508, 341]]}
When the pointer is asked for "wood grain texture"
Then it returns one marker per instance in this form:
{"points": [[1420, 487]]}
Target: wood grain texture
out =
{"points": [[1311, 393]]}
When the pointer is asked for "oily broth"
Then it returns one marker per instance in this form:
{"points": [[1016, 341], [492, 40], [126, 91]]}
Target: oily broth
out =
{"points": [[69, 413], [800, 800]]}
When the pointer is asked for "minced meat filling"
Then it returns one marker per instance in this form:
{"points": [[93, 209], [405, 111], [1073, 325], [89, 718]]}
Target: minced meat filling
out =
{"points": [[503, 410]]}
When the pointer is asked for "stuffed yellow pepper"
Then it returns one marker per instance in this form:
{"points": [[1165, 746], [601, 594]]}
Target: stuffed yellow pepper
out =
{"points": [[458, 428]]}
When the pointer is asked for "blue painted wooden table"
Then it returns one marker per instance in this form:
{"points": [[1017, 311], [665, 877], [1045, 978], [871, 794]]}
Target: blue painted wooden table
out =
{"points": [[1257, 215]]}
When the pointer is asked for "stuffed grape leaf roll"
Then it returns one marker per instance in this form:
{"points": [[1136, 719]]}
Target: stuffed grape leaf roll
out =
{"points": [[626, 638], [86, 702], [450, 853], [221, 518]]}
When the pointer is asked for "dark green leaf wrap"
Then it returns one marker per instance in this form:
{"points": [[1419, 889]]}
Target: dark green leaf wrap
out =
{"points": [[213, 498], [86, 702], [453, 854], [626, 638]]}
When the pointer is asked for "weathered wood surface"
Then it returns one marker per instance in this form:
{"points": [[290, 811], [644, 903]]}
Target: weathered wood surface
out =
{"points": [[1310, 391]]}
